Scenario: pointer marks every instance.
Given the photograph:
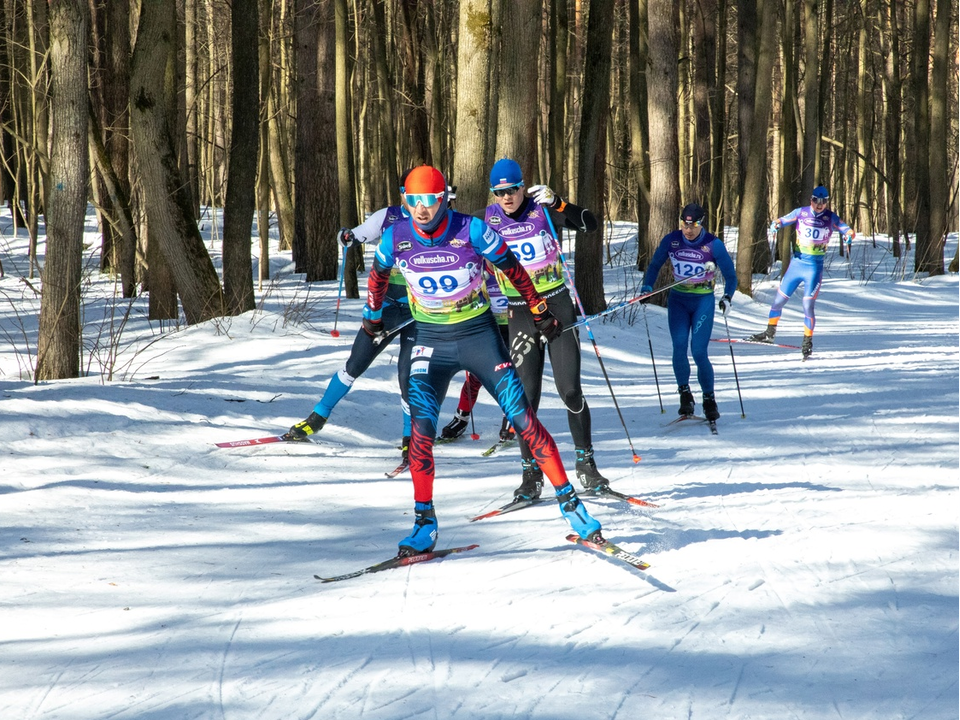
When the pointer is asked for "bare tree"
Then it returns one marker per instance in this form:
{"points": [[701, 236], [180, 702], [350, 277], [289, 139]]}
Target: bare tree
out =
{"points": [[58, 345], [170, 216], [244, 145]]}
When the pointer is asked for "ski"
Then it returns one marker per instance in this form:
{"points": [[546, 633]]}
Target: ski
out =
{"points": [[404, 464], [500, 445], [398, 561], [682, 419], [607, 491], [515, 504], [748, 341], [611, 549], [261, 441]]}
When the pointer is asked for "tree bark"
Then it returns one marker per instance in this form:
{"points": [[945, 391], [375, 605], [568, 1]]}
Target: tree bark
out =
{"points": [[809, 163], [592, 175], [752, 203], [240, 200], [519, 103], [170, 216], [662, 78], [58, 344]]}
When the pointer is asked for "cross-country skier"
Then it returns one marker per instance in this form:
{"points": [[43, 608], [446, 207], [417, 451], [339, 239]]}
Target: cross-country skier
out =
{"points": [[524, 222], [815, 226], [695, 255], [441, 254], [396, 312]]}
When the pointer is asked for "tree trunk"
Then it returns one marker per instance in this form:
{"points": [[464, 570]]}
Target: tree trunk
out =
{"points": [[473, 156], [592, 175], [752, 203], [662, 118], [639, 125], [940, 181], [317, 195], [244, 147], [809, 163], [519, 105], [346, 174], [170, 215], [58, 343], [705, 97]]}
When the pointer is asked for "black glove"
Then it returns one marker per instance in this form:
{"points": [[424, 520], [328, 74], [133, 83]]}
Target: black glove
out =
{"points": [[346, 238], [548, 325], [725, 303], [373, 328]]}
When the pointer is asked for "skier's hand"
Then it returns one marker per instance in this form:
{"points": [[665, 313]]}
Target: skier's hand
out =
{"points": [[346, 238], [542, 195], [645, 290], [848, 238], [725, 302], [547, 323], [774, 226], [373, 328]]}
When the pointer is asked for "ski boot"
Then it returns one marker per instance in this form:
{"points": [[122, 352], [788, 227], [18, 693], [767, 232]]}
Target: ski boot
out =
{"points": [[532, 482], [806, 347], [587, 472], [405, 450], [456, 427], [710, 410], [686, 401], [305, 428], [766, 336], [423, 537], [576, 514]]}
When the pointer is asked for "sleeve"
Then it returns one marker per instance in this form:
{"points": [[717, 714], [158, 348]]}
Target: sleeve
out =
{"points": [[379, 276], [656, 262], [726, 267], [369, 230], [790, 218], [494, 249], [575, 217], [840, 226]]}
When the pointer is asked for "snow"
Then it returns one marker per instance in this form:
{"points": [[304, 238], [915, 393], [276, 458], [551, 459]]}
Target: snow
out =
{"points": [[803, 563]]}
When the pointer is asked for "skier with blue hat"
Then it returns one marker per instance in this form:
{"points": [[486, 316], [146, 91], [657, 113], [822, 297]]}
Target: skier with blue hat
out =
{"points": [[815, 225]]}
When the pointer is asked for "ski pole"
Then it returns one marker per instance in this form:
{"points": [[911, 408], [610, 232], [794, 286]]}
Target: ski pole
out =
{"points": [[733, 360], [596, 349], [656, 380], [387, 334], [336, 314], [625, 303]]}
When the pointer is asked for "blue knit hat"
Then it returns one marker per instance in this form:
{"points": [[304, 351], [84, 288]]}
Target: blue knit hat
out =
{"points": [[505, 173]]}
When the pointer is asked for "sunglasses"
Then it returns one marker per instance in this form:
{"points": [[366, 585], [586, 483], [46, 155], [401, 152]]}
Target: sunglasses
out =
{"points": [[691, 224], [819, 200], [506, 192], [425, 199]]}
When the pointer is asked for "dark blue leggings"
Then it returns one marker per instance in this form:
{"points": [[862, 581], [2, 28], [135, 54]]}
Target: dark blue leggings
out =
{"points": [[690, 319]]}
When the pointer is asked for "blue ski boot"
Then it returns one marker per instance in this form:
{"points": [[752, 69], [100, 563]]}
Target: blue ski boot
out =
{"points": [[423, 538], [576, 514]]}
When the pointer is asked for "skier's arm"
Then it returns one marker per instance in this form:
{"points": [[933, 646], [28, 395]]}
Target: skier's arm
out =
{"points": [[377, 282], [369, 230], [726, 267], [653, 268]]}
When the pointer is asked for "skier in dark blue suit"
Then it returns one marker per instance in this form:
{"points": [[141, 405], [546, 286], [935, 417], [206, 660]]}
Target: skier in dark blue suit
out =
{"points": [[695, 255]]}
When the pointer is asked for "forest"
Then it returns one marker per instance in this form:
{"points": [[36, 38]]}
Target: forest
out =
{"points": [[301, 115]]}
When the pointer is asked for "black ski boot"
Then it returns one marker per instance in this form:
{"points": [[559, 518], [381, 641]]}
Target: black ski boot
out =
{"points": [[587, 472], [456, 427], [305, 428], [532, 482], [806, 347], [766, 336], [686, 400], [405, 450], [710, 410]]}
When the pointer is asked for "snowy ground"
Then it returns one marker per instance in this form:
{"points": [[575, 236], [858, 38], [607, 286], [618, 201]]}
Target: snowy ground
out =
{"points": [[804, 562]]}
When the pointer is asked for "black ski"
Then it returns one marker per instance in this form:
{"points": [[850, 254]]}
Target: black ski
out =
{"points": [[500, 445], [611, 549], [398, 561], [607, 491], [515, 504], [404, 464]]}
